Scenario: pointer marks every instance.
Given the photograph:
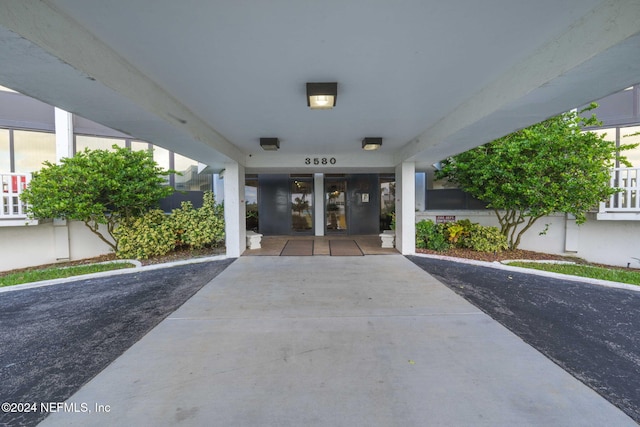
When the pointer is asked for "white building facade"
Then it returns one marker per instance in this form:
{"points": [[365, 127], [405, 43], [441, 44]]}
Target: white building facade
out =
{"points": [[210, 81]]}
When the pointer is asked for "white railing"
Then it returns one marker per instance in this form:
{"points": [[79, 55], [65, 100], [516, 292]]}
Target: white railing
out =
{"points": [[626, 201], [11, 207]]}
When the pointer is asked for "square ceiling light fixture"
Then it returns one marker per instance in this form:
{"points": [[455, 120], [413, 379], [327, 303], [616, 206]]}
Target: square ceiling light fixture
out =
{"points": [[322, 96], [270, 144], [371, 143]]}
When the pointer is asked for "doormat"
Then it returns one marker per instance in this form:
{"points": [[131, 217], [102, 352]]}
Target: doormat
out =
{"points": [[298, 248], [344, 248]]}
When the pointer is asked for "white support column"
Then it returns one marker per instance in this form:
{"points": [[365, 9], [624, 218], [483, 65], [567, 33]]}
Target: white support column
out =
{"points": [[64, 148], [64, 134], [234, 210], [405, 208], [318, 203]]}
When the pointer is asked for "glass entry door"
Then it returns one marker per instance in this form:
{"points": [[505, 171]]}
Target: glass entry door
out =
{"points": [[285, 204], [335, 196], [301, 206]]}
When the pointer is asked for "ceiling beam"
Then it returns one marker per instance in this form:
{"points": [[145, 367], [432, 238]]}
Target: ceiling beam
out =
{"points": [[580, 65], [63, 38]]}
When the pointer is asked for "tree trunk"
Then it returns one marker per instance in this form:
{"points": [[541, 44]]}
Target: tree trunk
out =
{"points": [[94, 230], [530, 222], [509, 223]]}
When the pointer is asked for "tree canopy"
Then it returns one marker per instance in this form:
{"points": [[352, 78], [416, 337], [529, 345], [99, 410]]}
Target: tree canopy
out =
{"points": [[553, 166], [97, 187]]}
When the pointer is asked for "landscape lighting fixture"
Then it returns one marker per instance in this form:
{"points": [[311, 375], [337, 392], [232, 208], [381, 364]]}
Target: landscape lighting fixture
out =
{"points": [[370, 144], [270, 144], [322, 96]]}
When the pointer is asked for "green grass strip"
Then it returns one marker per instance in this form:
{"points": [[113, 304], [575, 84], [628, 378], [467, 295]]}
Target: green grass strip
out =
{"points": [[615, 275], [59, 272]]}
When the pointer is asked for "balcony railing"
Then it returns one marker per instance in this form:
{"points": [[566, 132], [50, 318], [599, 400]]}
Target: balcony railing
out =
{"points": [[624, 205], [11, 207]]}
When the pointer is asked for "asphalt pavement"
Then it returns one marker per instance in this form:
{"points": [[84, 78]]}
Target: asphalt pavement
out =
{"points": [[54, 339], [591, 331]]}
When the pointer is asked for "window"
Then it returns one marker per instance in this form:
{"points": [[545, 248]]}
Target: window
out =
{"points": [[387, 200], [161, 157], [609, 134], [32, 149], [5, 154], [189, 179], [140, 146], [251, 200], [96, 143], [622, 136], [627, 137]]}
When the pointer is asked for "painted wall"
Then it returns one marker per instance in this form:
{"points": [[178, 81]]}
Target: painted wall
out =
{"points": [[83, 243], [610, 242], [27, 246]]}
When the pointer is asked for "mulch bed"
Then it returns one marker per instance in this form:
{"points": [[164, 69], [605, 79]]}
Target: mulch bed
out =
{"points": [[500, 256], [517, 254]]}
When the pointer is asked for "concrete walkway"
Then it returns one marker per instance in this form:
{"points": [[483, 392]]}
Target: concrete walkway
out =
{"points": [[273, 245], [331, 341]]}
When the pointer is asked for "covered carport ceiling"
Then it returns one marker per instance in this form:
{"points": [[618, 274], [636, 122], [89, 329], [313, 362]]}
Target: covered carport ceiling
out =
{"points": [[207, 79]]}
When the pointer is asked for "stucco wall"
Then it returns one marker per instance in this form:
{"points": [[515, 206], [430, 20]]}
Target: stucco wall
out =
{"points": [[610, 242], [27, 246], [83, 243]]}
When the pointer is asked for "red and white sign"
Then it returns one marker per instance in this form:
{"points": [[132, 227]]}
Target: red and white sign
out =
{"points": [[441, 219]]}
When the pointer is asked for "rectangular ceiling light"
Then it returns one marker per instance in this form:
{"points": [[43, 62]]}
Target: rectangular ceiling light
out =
{"points": [[371, 143], [270, 144], [322, 96]]}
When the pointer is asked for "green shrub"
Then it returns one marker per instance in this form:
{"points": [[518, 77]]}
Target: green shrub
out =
{"points": [[455, 232], [198, 228], [430, 235], [423, 229], [485, 239], [156, 233], [145, 236], [462, 234]]}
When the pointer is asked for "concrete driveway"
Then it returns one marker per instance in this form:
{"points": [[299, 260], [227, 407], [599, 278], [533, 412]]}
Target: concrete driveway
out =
{"points": [[329, 341]]}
